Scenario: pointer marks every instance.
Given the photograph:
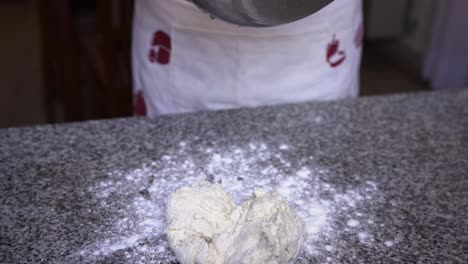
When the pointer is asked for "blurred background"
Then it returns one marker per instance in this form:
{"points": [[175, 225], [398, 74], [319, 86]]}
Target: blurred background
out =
{"points": [[69, 60]]}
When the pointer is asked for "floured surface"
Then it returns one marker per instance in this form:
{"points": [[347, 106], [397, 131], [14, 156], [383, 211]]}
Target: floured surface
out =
{"points": [[239, 170], [383, 179]]}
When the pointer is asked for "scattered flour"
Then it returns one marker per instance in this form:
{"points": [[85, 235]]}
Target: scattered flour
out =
{"points": [[284, 147], [362, 236], [137, 198], [353, 223], [389, 243]]}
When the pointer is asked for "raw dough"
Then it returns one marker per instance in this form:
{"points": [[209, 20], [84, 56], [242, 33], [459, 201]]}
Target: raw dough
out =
{"points": [[204, 226]]}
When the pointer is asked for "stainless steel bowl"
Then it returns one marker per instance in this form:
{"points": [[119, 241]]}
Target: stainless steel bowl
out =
{"points": [[261, 13]]}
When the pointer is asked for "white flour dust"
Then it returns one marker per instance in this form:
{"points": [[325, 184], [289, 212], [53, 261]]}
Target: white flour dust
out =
{"points": [[137, 197]]}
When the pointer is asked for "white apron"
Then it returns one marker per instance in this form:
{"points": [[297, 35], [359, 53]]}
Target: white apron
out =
{"points": [[185, 61]]}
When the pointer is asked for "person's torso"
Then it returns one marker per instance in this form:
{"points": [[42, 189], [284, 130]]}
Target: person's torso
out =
{"points": [[186, 61]]}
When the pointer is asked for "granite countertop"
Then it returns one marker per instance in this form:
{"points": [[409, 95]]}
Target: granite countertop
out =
{"points": [[379, 180]]}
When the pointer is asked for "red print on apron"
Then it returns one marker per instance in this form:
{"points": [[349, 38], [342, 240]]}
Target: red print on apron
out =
{"points": [[160, 51], [335, 56], [140, 105]]}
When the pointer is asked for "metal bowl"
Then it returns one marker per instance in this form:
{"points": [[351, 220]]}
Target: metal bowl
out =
{"points": [[261, 13]]}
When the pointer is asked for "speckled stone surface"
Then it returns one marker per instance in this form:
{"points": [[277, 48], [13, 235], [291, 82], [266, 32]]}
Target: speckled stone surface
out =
{"points": [[413, 147]]}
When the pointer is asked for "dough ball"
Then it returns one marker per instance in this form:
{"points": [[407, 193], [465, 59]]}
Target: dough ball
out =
{"points": [[194, 217], [204, 226]]}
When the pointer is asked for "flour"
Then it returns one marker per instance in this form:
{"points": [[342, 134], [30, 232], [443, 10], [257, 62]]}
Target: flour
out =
{"points": [[362, 236], [353, 223], [389, 243], [284, 147], [328, 248], [140, 195]]}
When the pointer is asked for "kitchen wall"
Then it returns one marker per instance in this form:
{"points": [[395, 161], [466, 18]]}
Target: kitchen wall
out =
{"points": [[446, 60], [21, 93], [400, 30], [418, 25]]}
